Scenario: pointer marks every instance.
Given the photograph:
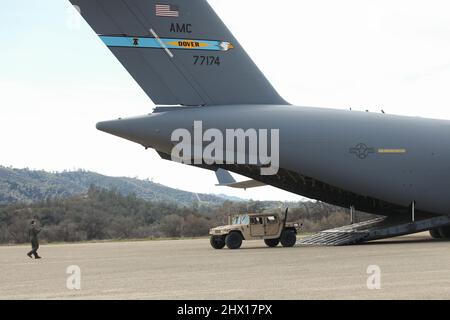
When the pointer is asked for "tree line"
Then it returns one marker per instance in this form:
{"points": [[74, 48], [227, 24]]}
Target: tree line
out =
{"points": [[102, 214]]}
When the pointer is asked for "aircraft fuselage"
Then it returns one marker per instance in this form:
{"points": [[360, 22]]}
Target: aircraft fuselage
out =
{"points": [[377, 162]]}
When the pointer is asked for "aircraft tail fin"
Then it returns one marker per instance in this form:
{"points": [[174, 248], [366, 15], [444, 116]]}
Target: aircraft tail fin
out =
{"points": [[179, 52]]}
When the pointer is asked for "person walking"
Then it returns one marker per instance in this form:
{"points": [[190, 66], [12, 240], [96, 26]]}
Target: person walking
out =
{"points": [[33, 234]]}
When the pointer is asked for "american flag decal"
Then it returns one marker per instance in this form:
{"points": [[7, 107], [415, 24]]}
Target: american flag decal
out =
{"points": [[166, 10]]}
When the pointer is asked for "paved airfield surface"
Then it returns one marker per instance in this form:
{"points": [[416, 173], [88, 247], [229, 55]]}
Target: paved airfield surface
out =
{"points": [[412, 266]]}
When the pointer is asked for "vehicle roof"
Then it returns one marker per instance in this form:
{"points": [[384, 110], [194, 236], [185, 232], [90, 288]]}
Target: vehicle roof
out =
{"points": [[260, 214]]}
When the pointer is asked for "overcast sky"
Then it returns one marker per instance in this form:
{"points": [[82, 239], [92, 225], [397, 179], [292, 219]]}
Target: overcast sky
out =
{"points": [[57, 80]]}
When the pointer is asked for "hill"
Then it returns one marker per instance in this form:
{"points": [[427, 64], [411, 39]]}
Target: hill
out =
{"points": [[107, 214], [82, 205], [28, 186]]}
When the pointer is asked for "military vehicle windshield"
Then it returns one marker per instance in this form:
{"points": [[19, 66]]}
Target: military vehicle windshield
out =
{"points": [[241, 219]]}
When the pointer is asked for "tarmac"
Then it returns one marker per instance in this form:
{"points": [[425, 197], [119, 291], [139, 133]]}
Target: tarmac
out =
{"points": [[408, 267]]}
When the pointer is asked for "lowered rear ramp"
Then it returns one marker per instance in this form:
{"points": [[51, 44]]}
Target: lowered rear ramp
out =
{"points": [[380, 228]]}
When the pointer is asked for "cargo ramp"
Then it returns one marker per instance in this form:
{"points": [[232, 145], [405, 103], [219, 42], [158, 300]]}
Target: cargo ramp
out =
{"points": [[375, 229]]}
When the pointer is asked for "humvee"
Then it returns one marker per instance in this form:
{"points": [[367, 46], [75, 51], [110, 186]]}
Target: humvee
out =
{"points": [[273, 228]]}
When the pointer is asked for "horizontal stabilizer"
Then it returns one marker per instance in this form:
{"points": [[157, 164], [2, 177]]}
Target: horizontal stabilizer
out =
{"points": [[226, 180]]}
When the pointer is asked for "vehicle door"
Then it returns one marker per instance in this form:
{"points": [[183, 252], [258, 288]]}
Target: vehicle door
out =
{"points": [[256, 226], [272, 225]]}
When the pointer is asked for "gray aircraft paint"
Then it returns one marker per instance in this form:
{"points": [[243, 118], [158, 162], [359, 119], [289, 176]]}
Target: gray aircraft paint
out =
{"points": [[317, 143], [382, 162], [176, 80]]}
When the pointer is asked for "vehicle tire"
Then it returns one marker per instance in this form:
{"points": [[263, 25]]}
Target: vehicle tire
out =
{"points": [[271, 242], [217, 242], [288, 238], [233, 240], [435, 234], [444, 232]]}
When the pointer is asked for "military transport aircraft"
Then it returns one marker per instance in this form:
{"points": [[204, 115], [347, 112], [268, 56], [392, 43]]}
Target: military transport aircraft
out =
{"points": [[204, 84]]}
